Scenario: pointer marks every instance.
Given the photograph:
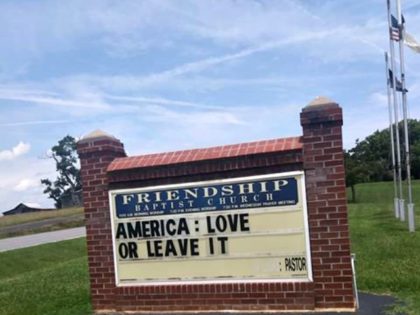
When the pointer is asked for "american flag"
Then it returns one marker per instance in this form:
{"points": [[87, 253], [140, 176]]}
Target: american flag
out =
{"points": [[394, 31]]}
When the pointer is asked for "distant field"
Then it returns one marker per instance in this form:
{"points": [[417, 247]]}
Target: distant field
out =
{"points": [[387, 254], [36, 222], [36, 216]]}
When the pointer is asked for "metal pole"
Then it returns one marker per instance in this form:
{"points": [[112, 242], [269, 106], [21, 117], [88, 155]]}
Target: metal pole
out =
{"points": [[411, 224], [397, 133], [391, 133]]}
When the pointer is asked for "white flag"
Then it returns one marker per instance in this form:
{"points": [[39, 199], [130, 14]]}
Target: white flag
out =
{"points": [[411, 42]]}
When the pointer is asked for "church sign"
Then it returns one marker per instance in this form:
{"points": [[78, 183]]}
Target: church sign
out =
{"points": [[238, 229]]}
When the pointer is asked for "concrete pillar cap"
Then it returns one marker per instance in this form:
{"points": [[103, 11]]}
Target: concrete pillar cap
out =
{"points": [[97, 134], [320, 101]]}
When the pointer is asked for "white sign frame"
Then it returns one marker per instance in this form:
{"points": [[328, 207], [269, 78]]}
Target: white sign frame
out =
{"points": [[301, 194]]}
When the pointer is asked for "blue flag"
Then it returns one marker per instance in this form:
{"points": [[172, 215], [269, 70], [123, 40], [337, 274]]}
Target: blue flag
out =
{"points": [[397, 82], [394, 21]]}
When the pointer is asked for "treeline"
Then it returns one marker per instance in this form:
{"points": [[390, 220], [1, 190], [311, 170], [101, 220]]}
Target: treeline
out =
{"points": [[371, 159]]}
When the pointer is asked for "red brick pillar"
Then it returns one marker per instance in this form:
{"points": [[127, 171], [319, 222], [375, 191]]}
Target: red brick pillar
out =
{"points": [[96, 151], [323, 163]]}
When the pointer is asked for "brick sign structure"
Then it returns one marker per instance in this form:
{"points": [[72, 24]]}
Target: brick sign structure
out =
{"points": [[259, 226]]}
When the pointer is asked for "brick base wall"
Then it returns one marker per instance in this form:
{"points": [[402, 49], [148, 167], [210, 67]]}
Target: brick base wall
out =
{"points": [[216, 297]]}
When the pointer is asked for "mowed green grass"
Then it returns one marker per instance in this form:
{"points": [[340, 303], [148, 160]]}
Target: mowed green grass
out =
{"points": [[53, 278], [387, 255], [46, 279]]}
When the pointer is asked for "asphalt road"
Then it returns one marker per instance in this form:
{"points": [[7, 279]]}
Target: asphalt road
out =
{"points": [[40, 238]]}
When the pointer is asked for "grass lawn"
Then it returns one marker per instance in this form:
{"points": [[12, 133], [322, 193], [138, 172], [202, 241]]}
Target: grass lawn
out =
{"points": [[387, 255], [45, 280], [53, 278]]}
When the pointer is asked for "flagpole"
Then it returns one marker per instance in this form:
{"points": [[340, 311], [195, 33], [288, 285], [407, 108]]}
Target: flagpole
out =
{"points": [[397, 133], [391, 133], [411, 224]]}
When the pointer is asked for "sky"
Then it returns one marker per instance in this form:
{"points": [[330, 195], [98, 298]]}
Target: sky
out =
{"points": [[164, 75]]}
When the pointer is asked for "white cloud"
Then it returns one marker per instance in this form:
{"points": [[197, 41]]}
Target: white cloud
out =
{"points": [[26, 183], [128, 28], [159, 101], [252, 23], [165, 78], [18, 150], [248, 22], [55, 101], [35, 122], [209, 128], [157, 113]]}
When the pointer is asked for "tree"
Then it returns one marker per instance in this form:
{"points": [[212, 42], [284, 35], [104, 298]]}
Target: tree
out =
{"points": [[68, 179], [355, 173], [414, 139], [370, 160]]}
